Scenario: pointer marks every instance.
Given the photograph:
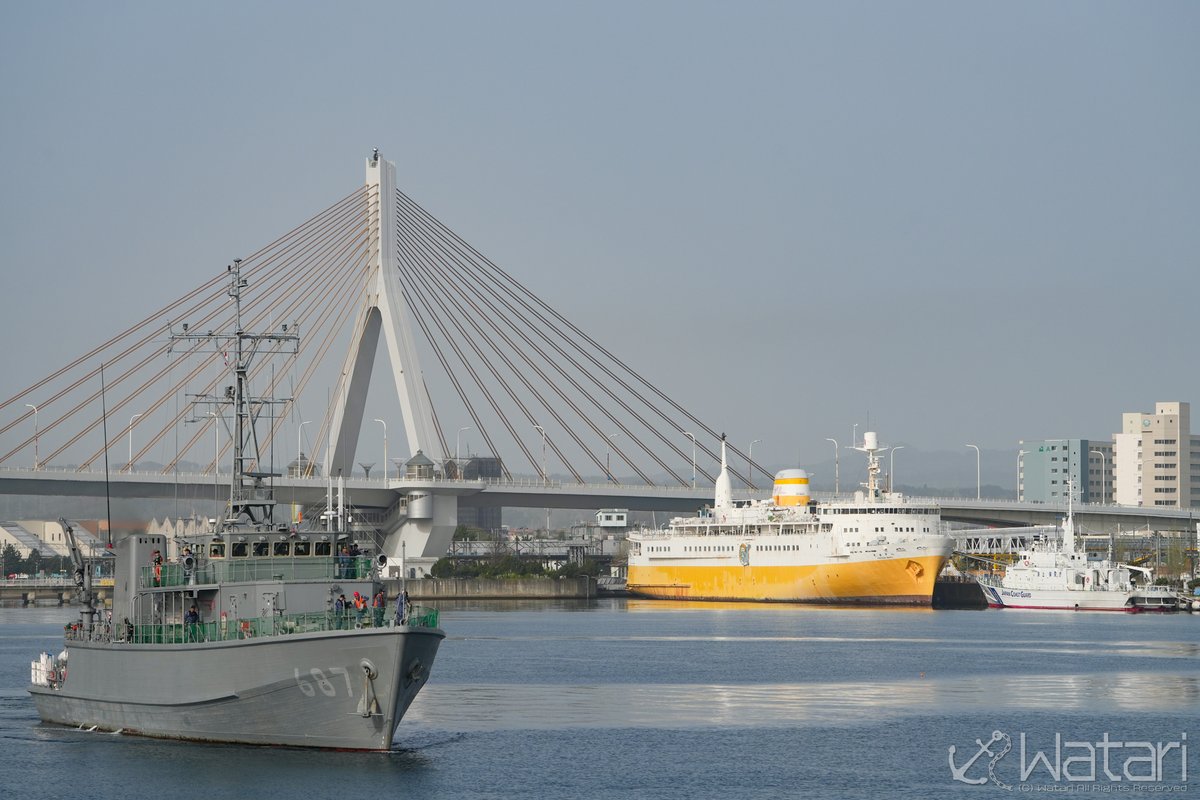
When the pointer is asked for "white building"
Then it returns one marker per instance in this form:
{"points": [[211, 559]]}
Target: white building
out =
{"points": [[613, 518], [1153, 462]]}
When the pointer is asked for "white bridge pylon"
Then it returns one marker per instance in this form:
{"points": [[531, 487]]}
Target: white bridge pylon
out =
{"points": [[384, 307]]}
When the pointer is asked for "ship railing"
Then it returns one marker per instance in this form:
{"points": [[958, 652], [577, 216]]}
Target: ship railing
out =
{"points": [[265, 627], [281, 568], [422, 617], [75, 632]]}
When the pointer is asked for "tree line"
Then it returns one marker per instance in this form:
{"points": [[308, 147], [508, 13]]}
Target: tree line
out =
{"points": [[33, 564]]}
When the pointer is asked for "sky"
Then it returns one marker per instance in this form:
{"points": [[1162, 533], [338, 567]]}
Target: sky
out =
{"points": [[950, 222]]}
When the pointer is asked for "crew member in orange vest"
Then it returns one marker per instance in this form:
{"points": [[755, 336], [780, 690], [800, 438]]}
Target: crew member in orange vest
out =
{"points": [[360, 606]]}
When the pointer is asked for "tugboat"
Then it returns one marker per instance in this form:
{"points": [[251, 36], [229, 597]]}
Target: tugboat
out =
{"points": [[1059, 575], [256, 633]]}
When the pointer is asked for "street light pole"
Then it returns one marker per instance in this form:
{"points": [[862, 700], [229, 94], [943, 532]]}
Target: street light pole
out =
{"points": [[35, 435], [457, 438], [750, 458], [836, 470], [978, 485], [384, 424], [892, 468], [545, 480], [216, 463], [607, 453], [692, 436], [299, 451], [216, 444], [129, 466], [1103, 475]]}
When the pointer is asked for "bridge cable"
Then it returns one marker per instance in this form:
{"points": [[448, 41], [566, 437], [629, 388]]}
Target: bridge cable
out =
{"points": [[463, 284]]}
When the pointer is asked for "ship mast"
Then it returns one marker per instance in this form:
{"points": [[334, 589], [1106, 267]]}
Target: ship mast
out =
{"points": [[1068, 543], [249, 499], [872, 449]]}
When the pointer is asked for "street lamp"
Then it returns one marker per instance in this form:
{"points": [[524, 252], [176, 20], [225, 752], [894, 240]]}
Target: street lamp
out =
{"points": [[692, 436], [384, 424], [607, 453], [750, 458], [836, 470], [129, 466], [457, 438], [978, 486], [35, 435], [1103, 475], [299, 452], [216, 444], [545, 480], [216, 464], [892, 467]]}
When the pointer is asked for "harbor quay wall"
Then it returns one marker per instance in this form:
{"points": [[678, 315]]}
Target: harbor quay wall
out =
{"points": [[44, 592], [495, 588], [31, 593]]}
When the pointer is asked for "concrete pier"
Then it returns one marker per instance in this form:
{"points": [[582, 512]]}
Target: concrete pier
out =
{"points": [[44, 592], [492, 588]]}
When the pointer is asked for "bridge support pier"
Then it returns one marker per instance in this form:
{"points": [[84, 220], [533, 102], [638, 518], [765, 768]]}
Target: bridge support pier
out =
{"points": [[421, 537]]}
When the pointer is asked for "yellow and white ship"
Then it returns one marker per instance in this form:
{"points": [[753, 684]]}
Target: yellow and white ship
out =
{"points": [[877, 548]]}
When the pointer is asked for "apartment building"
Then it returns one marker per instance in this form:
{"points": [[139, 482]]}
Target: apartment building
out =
{"points": [[1155, 458], [1046, 468]]}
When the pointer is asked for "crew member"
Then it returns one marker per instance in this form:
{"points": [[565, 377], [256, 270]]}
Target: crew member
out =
{"points": [[377, 607]]}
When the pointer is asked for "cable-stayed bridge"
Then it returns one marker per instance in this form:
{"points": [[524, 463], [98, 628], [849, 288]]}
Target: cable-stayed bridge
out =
{"points": [[563, 421], [550, 403], [544, 396]]}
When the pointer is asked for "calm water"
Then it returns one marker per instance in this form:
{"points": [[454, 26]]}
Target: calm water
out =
{"points": [[641, 699]]}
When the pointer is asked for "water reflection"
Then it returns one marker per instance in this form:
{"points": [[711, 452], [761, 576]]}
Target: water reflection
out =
{"points": [[506, 707], [640, 605]]}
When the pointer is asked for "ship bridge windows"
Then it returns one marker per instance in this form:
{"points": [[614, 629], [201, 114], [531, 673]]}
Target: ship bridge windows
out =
{"points": [[216, 550], [239, 550], [261, 549], [282, 549]]}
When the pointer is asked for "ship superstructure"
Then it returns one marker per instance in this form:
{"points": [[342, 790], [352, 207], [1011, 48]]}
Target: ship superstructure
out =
{"points": [[876, 548]]}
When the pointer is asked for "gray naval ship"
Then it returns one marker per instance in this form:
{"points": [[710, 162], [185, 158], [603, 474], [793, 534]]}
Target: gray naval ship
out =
{"points": [[239, 637]]}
